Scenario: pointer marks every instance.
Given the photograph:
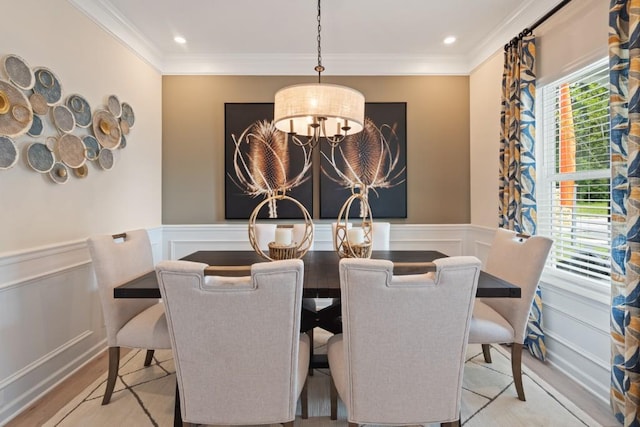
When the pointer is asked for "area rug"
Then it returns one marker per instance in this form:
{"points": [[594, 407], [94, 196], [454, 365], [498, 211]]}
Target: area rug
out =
{"points": [[145, 396]]}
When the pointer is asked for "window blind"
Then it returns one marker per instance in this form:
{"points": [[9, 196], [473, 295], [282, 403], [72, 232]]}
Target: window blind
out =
{"points": [[573, 180]]}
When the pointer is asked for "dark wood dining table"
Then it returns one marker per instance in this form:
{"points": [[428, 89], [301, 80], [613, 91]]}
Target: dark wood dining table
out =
{"points": [[321, 274], [321, 280]]}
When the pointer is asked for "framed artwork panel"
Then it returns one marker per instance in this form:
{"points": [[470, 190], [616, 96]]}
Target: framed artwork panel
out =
{"points": [[374, 160], [258, 159]]}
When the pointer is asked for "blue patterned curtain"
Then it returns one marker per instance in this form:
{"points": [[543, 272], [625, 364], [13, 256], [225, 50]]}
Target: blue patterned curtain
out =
{"points": [[624, 77], [517, 161]]}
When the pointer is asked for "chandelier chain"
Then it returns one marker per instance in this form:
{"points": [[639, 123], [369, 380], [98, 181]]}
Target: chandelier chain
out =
{"points": [[319, 68]]}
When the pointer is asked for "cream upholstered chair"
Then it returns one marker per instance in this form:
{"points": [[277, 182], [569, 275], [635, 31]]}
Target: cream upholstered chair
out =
{"points": [[401, 355], [381, 235], [132, 323], [520, 261], [237, 347], [265, 233]]}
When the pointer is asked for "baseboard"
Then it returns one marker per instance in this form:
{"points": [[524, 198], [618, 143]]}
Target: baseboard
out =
{"points": [[12, 409]]}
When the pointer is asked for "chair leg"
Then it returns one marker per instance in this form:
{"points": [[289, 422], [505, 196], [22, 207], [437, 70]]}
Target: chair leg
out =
{"points": [[333, 396], [289, 424], [304, 401], [114, 364], [148, 358], [353, 424], [516, 368], [310, 333], [486, 351]]}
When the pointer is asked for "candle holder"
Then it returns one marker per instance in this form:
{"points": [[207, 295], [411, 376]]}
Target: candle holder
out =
{"points": [[342, 242], [277, 250]]}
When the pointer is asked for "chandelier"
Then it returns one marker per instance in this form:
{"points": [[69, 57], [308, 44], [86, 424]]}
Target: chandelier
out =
{"points": [[315, 110]]}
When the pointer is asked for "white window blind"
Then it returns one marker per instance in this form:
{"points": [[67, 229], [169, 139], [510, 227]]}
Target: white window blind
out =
{"points": [[573, 174]]}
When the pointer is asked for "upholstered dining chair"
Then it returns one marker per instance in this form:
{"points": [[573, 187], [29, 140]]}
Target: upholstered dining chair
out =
{"points": [[265, 233], [131, 323], [237, 347], [381, 236], [401, 355], [519, 260]]}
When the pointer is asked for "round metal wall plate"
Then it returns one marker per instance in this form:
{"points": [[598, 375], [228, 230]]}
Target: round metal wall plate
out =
{"points": [[8, 153]]}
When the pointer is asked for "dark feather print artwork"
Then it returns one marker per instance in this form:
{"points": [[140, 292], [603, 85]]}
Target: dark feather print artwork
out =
{"points": [[366, 161], [263, 169], [268, 155], [364, 155]]}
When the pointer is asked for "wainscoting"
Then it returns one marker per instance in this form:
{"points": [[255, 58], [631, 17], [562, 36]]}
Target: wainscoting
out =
{"points": [[52, 321]]}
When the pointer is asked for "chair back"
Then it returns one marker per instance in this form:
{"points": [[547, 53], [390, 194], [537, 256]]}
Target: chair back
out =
{"points": [[405, 339], [117, 259], [518, 260], [265, 234], [298, 236], [235, 341], [381, 236]]}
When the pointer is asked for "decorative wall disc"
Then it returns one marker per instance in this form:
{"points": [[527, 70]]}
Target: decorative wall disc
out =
{"points": [[127, 114], [92, 147], [59, 173], [80, 109], [15, 111], [38, 104], [39, 157], [36, 127], [106, 129], [114, 106], [19, 72], [82, 171], [63, 118], [71, 150], [47, 85], [123, 142], [8, 153], [105, 159], [124, 126]]}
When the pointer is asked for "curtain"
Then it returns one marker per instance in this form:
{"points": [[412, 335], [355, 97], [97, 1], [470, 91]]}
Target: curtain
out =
{"points": [[517, 161], [624, 76]]}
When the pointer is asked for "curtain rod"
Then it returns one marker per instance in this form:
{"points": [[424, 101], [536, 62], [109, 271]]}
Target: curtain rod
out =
{"points": [[527, 31]]}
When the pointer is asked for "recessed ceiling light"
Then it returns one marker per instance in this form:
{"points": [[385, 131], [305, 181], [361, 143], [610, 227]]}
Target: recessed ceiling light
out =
{"points": [[449, 40], [180, 40]]}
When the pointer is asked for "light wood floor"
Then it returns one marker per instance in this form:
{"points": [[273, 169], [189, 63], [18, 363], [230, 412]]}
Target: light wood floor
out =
{"points": [[50, 404]]}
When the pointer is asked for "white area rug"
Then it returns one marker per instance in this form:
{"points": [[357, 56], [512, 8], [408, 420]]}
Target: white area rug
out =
{"points": [[145, 396]]}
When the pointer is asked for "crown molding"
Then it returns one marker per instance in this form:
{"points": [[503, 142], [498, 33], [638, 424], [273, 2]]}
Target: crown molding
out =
{"points": [[336, 64], [104, 14], [109, 19], [510, 27]]}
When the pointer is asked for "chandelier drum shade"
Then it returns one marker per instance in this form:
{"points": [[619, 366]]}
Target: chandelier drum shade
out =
{"points": [[318, 110], [307, 109]]}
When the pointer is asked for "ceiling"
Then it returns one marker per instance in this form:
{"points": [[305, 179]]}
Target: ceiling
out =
{"points": [[278, 37]]}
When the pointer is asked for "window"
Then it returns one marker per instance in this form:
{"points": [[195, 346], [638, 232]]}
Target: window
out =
{"points": [[574, 172]]}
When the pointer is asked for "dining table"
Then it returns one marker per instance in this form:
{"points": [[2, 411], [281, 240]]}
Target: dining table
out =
{"points": [[321, 280], [321, 273]]}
